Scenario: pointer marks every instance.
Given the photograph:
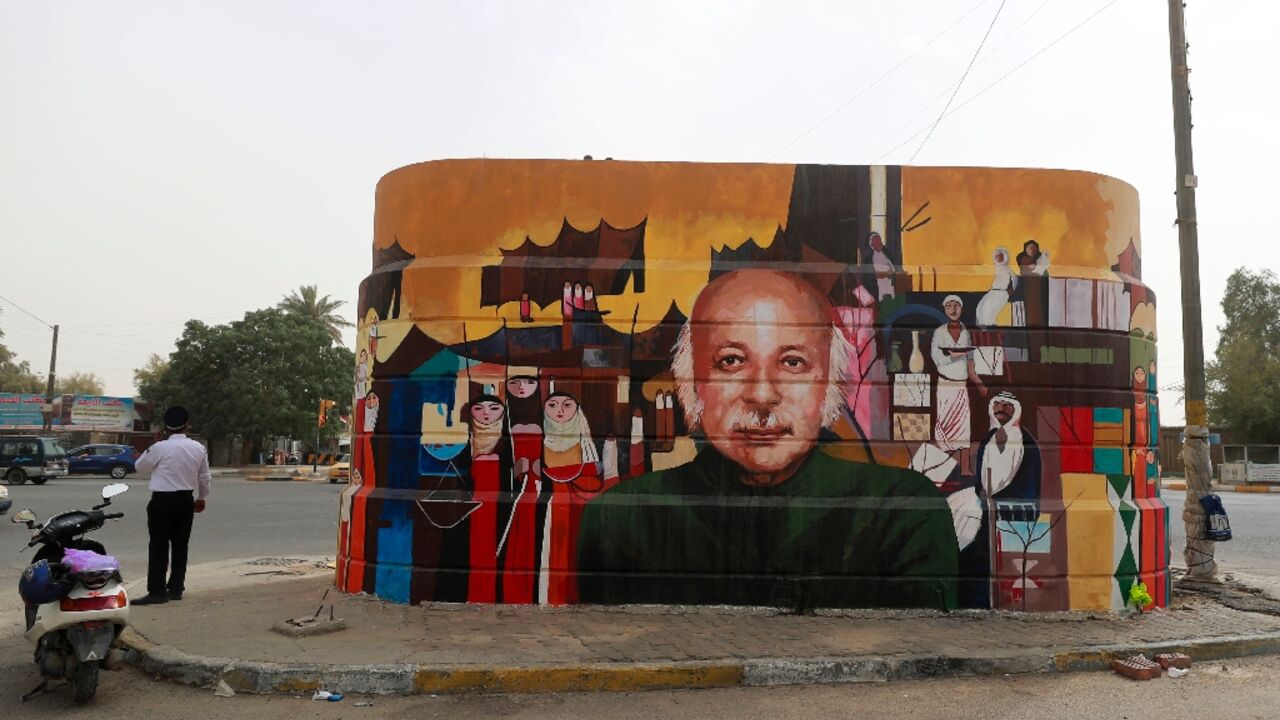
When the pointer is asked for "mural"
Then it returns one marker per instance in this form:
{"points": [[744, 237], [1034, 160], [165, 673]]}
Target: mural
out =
{"points": [[799, 386]]}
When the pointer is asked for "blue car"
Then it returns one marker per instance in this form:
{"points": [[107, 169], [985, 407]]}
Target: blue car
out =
{"points": [[114, 460]]}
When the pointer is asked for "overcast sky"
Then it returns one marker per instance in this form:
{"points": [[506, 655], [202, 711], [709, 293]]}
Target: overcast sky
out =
{"points": [[172, 160]]}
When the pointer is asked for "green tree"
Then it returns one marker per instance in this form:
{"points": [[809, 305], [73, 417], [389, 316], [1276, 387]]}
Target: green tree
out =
{"points": [[259, 377], [78, 383], [16, 375], [307, 302], [149, 378], [1244, 377]]}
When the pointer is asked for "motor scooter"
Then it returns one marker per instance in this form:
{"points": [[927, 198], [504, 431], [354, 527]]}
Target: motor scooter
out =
{"points": [[74, 615]]}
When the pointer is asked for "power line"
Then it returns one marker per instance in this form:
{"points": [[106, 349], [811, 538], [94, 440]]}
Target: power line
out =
{"points": [[955, 92], [878, 80], [1004, 77], [987, 56], [28, 312]]}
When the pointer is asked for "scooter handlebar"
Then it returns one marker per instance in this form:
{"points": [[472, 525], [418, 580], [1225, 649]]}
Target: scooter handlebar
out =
{"points": [[112, 516]]}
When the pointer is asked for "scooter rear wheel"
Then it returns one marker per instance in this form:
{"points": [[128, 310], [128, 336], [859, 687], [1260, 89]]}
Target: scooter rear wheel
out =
{"points": [[84, 683]]}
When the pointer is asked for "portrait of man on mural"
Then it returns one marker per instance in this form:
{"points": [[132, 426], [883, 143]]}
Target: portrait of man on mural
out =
{"points": [[762, 516]]}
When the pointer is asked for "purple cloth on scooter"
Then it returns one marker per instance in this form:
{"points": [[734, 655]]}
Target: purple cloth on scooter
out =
{"points": [[88, 561]]}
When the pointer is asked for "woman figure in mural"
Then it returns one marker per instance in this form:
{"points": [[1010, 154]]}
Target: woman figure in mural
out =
{"points": [[589, 298], [1141, 417], [363, 480], [526, 308], [1033, 270], [1002, 286], [491, 487], [635, 457], [570, 464], [579, 300], [518, 548], [345, 506], [566, 315], [373, 339], [362, 374], [883, 268], [952, 355]]}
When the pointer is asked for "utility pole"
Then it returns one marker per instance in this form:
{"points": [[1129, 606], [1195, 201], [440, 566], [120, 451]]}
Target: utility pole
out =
{"points": [[1198, 552], [48, 390]]}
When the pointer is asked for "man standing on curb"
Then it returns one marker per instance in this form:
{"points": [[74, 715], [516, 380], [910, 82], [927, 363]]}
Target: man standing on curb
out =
{"points": [[179, 470]]}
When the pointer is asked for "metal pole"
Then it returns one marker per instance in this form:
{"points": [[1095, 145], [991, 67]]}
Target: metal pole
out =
{"points": [[1195, 450], [53, 374]]}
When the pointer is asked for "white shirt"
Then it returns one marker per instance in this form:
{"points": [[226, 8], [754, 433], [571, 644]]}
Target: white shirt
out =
{"points": [[178, 463], [952, 366]]}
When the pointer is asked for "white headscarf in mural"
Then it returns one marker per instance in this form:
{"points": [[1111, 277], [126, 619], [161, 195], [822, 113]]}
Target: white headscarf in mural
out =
{"points": [[1002, 460], [562, 436]]}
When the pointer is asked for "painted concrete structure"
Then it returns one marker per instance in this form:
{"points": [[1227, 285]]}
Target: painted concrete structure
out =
{"points": [[791, 385]]}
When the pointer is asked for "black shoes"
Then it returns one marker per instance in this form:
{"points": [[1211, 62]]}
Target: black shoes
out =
{"points": [[175, 596], [151, 600]]}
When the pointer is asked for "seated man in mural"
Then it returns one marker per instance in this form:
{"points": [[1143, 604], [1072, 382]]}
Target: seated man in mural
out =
{"points": [[761, 516]]}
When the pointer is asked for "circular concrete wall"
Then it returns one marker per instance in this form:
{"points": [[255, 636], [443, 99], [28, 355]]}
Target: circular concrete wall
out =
{"points": [[785, 385]]}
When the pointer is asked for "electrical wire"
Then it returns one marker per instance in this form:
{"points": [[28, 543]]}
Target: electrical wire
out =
{"points": [[955, 92], [987, 56], [1004, 77], [28, 312], [878, 80]]}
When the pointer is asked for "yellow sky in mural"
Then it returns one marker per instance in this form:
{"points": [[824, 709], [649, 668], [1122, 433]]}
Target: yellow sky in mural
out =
{"points": [[455, 215], [1082, 219]]}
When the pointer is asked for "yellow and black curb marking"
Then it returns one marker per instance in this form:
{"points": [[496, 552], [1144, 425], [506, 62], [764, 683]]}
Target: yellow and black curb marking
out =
{"points": [[407, 679]]}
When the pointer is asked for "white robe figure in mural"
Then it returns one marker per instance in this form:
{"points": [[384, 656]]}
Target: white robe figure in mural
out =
{"points": [[952, 355], [1003, 449], [997, 297], [883, 268]]}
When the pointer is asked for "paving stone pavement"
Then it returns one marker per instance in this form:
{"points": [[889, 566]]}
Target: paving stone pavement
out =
{"points": [[235, 623]]}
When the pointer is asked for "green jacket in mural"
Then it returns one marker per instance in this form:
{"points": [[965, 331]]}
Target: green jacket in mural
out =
{"points": [[836, 534]]}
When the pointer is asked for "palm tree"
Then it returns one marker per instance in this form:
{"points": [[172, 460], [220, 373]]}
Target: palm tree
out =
{"points": [[307, 302]]}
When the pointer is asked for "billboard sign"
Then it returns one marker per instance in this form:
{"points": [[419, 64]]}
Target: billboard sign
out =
{"points": [[24, 411]]}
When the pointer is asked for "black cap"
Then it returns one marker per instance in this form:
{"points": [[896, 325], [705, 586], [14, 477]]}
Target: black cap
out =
{"points": [[175, 418]]}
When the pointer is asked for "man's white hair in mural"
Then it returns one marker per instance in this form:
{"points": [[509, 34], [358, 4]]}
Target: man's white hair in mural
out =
{"points": [[760, 368]]}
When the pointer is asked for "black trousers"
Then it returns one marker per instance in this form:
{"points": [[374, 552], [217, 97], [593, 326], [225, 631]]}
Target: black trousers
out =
{"points": [[169, 516]]}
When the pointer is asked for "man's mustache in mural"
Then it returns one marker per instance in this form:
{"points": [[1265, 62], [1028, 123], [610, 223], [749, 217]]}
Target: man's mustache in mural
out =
{"points": [[840, 383]]}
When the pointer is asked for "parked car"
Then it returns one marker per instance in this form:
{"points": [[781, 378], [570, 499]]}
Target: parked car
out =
{"points": [[5, 502], [114, 460], [340, 471], [24, 457]]}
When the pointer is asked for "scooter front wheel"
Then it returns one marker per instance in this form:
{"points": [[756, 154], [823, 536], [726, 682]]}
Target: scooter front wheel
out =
{"points": [[84, 683]]}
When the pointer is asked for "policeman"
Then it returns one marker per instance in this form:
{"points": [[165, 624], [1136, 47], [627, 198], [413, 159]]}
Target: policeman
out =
{"points": [[179, 470]]}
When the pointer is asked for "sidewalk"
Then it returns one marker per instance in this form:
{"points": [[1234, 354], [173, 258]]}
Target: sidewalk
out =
{"points": [[224, 634]]}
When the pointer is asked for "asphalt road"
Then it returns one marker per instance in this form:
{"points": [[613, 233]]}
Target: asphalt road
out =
{"points": [[1255, 526], [243, 520]]}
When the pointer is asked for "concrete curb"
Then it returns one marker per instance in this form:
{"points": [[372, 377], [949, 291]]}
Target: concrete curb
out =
{"points": [[409, 679], [287, 478], [1260, 489]]}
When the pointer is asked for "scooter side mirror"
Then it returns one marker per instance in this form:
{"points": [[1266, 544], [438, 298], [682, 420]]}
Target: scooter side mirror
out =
{"points": [[24, 516], [113, 490]]}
